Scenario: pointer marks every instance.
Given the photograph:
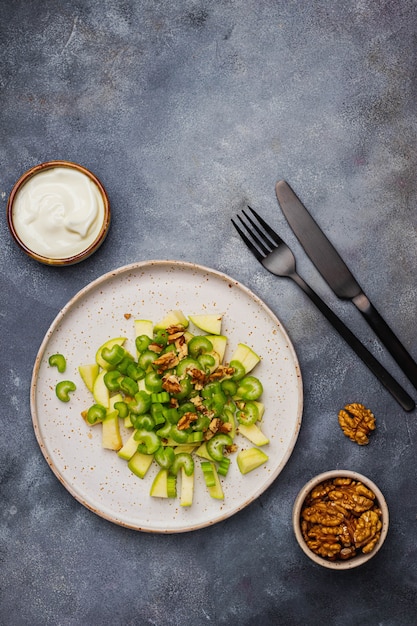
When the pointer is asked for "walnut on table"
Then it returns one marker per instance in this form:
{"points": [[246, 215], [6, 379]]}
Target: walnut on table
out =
{"points": [[357, 422]]}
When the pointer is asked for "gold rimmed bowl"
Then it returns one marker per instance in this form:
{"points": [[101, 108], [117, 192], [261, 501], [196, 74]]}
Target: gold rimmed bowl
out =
{"points": [[58, 212]]}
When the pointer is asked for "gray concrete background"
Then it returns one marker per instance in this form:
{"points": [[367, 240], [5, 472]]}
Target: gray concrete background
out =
{"points": [[187, 111]]}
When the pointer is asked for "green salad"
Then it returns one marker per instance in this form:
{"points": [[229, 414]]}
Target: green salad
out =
{"points": [[181, 404]]}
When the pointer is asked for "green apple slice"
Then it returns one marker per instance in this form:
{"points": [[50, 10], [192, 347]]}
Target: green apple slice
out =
{"points": [[143, 327], [100, 392], [185, 447], [89, 374], [127, 422], [188, 336], [216, 490], [129, 448], [254, 434], [139, 463], [164, 485], [112, 401], [261, 409], [173, 318], [219, 343], [111, 438], [202, 452], [187, 488], [210, 323], [246, 356], [248, 460]]}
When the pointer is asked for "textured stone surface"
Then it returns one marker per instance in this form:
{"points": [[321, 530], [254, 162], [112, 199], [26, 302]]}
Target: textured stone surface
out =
{"points": [[187, 111]]}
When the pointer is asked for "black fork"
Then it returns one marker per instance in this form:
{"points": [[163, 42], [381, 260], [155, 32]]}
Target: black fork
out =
{"points": [[275, 255]]}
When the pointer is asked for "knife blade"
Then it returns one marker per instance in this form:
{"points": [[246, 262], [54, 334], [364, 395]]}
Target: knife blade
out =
{"points": [[337, 274]]}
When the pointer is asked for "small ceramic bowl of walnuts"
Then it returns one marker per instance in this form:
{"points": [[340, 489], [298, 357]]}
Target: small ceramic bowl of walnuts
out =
{"points": [[340, 519]]}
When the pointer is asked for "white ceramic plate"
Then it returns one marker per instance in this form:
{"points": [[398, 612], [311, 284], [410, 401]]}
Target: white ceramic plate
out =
{"points": [[98, 478]]}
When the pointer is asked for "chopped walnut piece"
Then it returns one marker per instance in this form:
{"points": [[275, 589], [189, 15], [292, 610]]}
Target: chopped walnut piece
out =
{"points": [[215, 424], [181, 347], [171, 384], [225, 427], [173, 330], [173, 338], [198, 378], [213, 428], [221, 372], [155, 347], [197, 401], [357, 422], [166, 361], [340, 517], [186, 420], [201, 408]]}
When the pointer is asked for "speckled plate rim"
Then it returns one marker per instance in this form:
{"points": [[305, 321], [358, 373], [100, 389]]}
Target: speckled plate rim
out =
{"points": [[55, 424]]}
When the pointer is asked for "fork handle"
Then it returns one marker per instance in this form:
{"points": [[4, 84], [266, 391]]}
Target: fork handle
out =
{"points": [[386, 335], [394, 388]]}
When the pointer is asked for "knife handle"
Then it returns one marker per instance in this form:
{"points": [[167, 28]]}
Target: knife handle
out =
{"points": [[394, 388], [388, 338]]}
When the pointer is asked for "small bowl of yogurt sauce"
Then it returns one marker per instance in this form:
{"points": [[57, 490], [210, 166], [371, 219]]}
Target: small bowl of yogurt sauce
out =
{"points": [[58, 212]]}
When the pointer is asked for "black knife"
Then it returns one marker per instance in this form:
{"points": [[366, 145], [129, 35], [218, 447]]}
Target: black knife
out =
{"points": [[338, 276]]}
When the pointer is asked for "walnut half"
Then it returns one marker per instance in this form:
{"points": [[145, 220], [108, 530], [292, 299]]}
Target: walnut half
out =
{"points": [[357, 422]]}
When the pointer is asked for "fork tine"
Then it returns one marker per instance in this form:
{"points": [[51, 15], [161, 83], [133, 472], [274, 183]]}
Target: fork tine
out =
{"points": [[274, 236], [264, 240], [263, 243], [248, 242]]}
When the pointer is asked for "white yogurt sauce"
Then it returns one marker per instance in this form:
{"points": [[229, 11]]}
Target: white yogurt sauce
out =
{"points": [[58, 212]]}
